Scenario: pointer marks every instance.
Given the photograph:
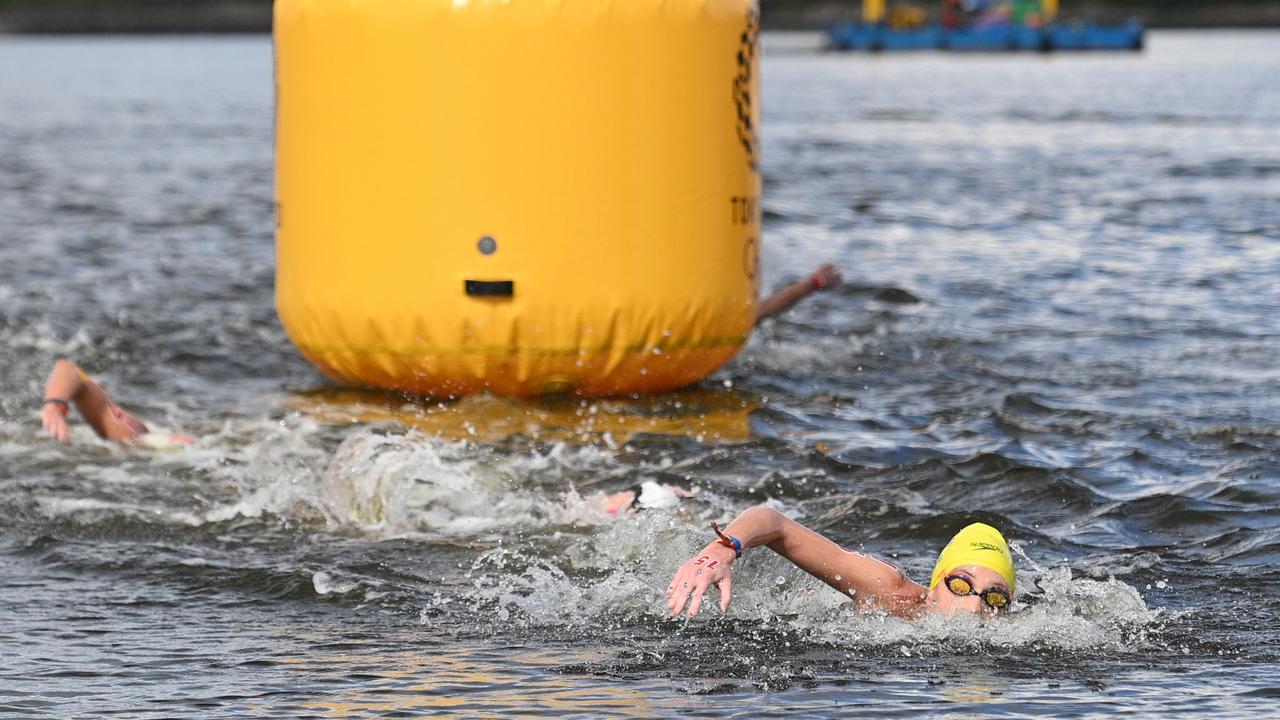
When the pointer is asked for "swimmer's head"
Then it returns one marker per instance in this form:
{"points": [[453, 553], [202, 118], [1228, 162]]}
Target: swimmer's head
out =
{"points": [[976, 561]]}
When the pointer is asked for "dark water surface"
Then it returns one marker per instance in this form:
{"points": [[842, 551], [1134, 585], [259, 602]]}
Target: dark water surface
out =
{"points": [[1062, 319]]}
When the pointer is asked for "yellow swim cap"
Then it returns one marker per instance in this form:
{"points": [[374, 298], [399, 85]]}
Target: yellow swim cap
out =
{"points": [[980, 545]]}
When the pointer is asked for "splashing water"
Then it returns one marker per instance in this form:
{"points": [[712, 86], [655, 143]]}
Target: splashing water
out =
{"points": [[1059, 320]]}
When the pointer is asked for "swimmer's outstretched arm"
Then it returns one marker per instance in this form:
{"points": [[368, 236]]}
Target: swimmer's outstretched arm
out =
{"points": [[874, 583], [824, 277], [68, 385]]}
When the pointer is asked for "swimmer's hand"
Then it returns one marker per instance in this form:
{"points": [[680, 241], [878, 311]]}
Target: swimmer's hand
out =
{"points": [[710, 567], [55, 423], [826, 276]]}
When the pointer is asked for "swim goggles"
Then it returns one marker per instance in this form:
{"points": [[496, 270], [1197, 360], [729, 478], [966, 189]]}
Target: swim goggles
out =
{"points": [[996, 598]]}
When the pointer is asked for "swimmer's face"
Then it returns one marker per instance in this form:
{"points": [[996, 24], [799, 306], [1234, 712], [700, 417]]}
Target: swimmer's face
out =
{"points": [[942, 600]]}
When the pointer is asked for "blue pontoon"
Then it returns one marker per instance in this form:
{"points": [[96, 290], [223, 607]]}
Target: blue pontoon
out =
{"points": [[1009, 25]]}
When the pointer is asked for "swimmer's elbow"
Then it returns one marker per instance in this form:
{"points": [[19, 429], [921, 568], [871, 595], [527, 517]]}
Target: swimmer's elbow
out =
{"points": [[65, 371], [766, 515], [759, 525], [67, 366]]}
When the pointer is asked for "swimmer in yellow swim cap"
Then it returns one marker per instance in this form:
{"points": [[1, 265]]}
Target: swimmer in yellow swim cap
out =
{"points": [[69, 385], [974, 572]]}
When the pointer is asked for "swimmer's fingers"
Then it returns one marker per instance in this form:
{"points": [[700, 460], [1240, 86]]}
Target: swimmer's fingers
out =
{"points": [[726, 586], [703, 580], [695, 599], [674, 590], [678, 591], [710, 567], [688, 585], [55, 424]]}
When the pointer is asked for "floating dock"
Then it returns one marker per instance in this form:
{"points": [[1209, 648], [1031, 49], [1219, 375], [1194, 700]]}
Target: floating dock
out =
{"points": [[1051, 38], [979, 26]]}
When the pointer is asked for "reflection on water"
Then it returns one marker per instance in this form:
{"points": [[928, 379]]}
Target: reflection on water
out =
{"points": [[449, 684], [1059, 320], [702, 414]]}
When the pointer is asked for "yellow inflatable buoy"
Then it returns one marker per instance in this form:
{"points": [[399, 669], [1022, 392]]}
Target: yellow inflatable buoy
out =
{"points": [[524, 196]]}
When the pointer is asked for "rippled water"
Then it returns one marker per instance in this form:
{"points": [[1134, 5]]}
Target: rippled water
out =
{"points": [[1061, 319]]}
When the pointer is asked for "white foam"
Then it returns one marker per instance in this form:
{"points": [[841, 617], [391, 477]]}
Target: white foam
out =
{"points": [[388, 485], [631, 560], [576, 566], [326, 584], [41, 336], [62, 507], [765, 353]]}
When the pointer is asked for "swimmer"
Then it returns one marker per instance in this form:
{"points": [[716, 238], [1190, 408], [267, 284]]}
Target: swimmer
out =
{"points": [[826, 276], [69, 385], [973, 574], [648, 495]]}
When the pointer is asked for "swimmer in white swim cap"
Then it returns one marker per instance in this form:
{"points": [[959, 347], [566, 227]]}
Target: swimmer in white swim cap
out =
{"points": [[69, 385], [974, 572], [646, 495]]}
